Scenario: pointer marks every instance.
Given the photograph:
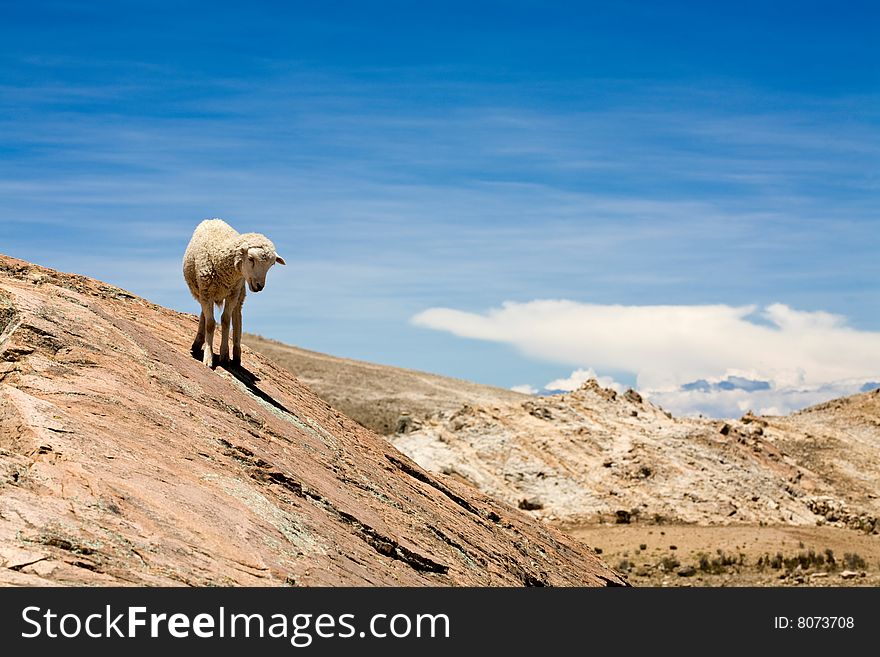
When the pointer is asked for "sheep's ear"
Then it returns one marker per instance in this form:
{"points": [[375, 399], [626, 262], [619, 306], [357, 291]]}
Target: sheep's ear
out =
{"points": [[240, 256], [279, 260]]}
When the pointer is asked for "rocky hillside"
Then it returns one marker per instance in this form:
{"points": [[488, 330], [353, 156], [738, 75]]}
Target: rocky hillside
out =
{"points": [[383, 398], [840, 441], [124, 461], [595, 456]]}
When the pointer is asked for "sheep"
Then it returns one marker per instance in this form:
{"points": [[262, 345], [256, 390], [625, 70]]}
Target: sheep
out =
{"points": [[217, 262]]}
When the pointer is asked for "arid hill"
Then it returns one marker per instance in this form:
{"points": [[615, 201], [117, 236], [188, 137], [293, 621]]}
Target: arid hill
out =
{"points": [[840, 442], [383, 398], [671, 501], [597, 456], [123, 460], [594, 455]]}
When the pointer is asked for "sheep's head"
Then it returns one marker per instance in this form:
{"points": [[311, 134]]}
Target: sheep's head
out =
{"points": [[254, 261]]}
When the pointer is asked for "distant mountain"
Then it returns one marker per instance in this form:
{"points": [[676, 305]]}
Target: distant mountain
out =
{"points": [[728, 383]]}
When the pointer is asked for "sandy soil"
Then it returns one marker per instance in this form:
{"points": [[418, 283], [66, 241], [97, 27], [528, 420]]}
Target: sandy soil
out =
{"points": [[647, 554]]}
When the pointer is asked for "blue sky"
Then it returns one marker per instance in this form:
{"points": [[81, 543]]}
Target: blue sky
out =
{"points": [[409, 157]]}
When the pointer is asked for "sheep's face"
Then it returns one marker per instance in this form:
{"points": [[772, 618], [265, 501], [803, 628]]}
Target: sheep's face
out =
{"points": [[255, 265]]}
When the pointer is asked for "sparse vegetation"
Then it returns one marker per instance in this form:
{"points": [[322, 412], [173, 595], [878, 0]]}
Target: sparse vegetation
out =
{"points": [[853, 561], [811, 560], [669, 563], [734, 556], [720, 564], [829, 557]]}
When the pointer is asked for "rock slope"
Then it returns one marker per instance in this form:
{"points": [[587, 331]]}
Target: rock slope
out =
{"points": [[124, 461], [840, 441], [596, 456], [383, 398]]}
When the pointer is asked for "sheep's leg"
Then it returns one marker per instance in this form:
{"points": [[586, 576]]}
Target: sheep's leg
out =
{"points": [[224, 331], [208, 351], [200, 336], [236, 335]]}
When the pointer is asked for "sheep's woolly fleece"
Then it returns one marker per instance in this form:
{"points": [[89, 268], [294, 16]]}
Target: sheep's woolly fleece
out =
{"points": [[210, 264]]}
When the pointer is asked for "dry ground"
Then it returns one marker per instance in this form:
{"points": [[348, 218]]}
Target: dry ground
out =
{"points": [[653, 564], [383, 398]]}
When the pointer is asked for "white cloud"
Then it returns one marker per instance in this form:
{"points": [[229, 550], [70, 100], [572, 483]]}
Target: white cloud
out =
{"points": [[804, 357], [525, 389], [577, 378]]}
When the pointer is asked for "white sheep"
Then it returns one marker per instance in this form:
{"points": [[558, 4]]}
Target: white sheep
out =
{"points": [[216, 265]]}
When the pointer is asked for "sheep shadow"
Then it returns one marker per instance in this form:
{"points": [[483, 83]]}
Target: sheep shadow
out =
{"points": [[244, 376], [249, 380]]}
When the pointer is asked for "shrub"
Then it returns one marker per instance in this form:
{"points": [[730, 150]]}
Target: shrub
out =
{"points": [[829, 558], [853, 561], [669, 563], [810, 559], [723, 562]]}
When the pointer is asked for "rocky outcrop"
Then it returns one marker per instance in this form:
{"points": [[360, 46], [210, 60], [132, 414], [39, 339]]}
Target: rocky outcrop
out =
{"points": [[594, 455], [123, 460], [839, 440]]}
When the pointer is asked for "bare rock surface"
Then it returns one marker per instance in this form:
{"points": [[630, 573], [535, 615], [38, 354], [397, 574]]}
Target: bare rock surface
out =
{"points": [[840, 442], [123, 460], [594, 455]]}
